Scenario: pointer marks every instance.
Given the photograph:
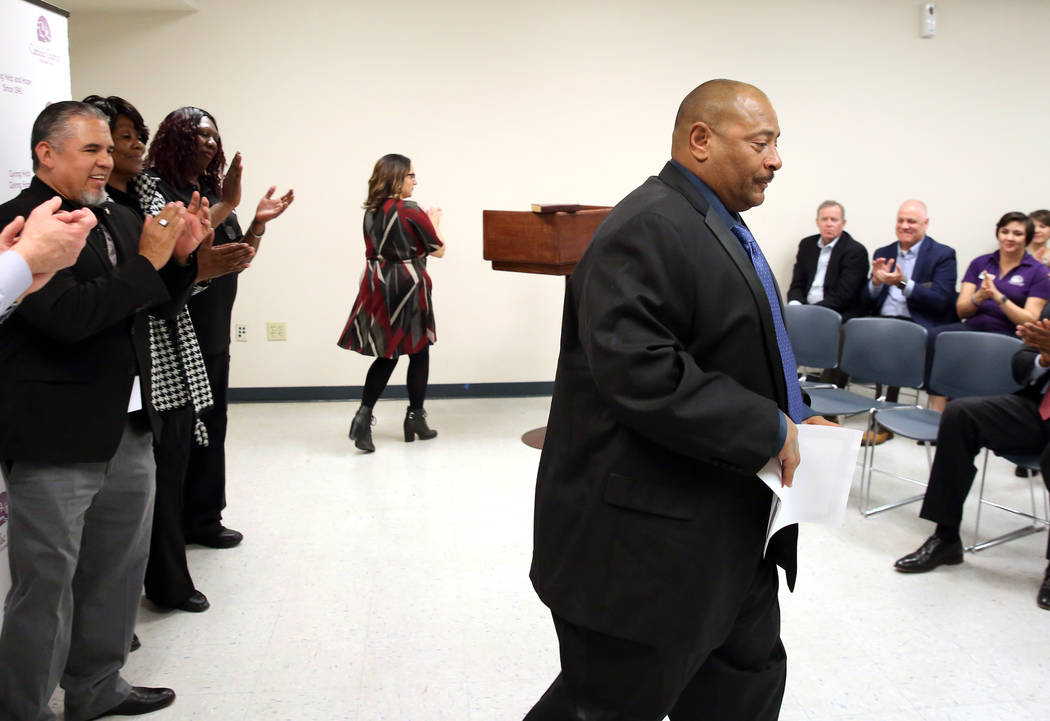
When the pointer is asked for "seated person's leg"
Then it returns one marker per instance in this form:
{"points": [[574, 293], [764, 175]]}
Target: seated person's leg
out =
{"points": [[1003, 423]]}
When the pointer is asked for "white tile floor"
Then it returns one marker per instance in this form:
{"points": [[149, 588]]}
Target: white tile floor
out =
{"points": [[395, 586]]}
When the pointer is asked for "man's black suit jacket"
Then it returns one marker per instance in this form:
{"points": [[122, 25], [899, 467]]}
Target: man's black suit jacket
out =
{"points": [[70, 351], [649, 519], [1023, 363], [845, 278]]}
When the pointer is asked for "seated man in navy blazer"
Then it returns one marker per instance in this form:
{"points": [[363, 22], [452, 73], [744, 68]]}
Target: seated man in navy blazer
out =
{"points": [[830, 267], [913, 278]]}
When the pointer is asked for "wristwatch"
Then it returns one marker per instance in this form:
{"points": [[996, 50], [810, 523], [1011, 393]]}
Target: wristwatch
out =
{"points": [[902, 283]]}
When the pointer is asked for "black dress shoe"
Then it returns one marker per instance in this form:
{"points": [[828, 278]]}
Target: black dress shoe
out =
{"points": [[1043, 597], [934, 552], [135, 643], [196, 603], [225, 538], [141, 700]]}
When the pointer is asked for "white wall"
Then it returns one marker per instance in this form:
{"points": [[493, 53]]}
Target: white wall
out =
{"points": [[501, 105]]}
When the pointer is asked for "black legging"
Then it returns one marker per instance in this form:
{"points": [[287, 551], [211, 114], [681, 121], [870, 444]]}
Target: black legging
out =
{"points": [[379, 375]]}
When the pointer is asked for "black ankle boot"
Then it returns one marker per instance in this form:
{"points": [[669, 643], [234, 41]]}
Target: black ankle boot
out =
{"points": [[416, 425], [361, 429]]}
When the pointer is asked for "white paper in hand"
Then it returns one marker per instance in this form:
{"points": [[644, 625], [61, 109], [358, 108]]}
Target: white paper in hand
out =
{"points": [[820, 489]]}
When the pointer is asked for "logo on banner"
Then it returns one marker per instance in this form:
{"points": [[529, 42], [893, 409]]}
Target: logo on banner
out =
{"points": [[41, 48], [43, 30]]}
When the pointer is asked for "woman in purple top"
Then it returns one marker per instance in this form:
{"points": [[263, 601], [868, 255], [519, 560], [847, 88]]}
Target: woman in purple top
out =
{"points": [[1000, 290]]}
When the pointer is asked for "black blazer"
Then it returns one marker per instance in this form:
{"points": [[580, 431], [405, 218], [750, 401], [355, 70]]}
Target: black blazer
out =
{"points": [[649, 520], [845, 278], [70, 351], [1022, 365]]}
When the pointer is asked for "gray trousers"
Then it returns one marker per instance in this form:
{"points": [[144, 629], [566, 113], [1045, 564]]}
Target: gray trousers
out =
{"points": [[78, 541]]}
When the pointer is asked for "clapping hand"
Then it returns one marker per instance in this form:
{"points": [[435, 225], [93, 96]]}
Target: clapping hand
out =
{"points": [[1037, 335], [231, 183], [213, 261], [882, 271], [160, 232], [270, 207], [49, 239], [987, 289], [197, 227]]}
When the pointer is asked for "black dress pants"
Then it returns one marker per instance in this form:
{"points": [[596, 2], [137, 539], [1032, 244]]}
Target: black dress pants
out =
{"points": [[604, 678], [205, 494], [168, 580], [1007, 424]]}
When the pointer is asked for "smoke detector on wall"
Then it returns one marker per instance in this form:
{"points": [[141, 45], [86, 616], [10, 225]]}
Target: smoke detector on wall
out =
{"points": [[927, 20]]}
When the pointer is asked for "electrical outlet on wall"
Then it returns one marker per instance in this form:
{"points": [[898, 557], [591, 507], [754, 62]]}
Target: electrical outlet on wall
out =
{"points": [[276, 331], [241, 332]]}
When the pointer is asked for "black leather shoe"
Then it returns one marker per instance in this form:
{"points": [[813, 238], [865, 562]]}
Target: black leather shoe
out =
{"points": [[135, 643], [196, 603], [1043, 597], [141, 700], [934, 552], [225, 538]]}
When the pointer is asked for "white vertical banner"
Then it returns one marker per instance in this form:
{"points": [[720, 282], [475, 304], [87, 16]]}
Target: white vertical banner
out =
{"points": [[34, 72]]}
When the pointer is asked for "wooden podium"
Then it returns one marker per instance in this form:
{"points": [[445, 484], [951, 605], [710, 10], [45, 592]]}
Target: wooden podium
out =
{"points": [[548, 243]]}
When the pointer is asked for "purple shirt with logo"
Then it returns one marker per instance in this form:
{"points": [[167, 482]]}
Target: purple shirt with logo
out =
{"points": [[1030, 279]]}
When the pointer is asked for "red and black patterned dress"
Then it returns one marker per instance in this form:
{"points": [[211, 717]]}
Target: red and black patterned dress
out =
{"points": [[393, 313]]}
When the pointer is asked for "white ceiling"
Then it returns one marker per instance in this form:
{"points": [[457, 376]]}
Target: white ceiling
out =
{"points": [[103, 6]]}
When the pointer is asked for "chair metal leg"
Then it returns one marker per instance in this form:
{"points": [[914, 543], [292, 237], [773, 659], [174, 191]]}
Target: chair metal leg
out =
{"points": [[869, 468], [868, 462], [1037, 524], [980, 503]]}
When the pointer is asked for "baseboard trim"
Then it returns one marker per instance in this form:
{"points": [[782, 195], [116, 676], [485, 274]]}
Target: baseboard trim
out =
{"points": [[353, 393]]}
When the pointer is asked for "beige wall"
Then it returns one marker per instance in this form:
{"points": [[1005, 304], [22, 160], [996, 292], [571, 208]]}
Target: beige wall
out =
{"points": [[501, 105]]}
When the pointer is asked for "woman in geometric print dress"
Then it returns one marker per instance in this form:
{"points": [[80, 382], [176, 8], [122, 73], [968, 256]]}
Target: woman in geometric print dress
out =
{"points": [[393, 314]]}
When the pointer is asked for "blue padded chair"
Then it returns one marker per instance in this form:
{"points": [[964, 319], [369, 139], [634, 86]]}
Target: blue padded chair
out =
{"points": [[965, 364], [814, 332], [887, 351]]}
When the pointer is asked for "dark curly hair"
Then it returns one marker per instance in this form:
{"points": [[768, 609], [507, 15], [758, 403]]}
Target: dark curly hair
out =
{"points": [[175, 146]]}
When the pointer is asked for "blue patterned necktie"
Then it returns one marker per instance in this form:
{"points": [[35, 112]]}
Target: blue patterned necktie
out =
{"points": [[787, 357]]}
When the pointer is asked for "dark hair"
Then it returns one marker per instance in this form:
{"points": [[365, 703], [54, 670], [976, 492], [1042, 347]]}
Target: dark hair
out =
{"points": [[1040, 216], [114, 106], [175, 146], [1018, 217], [387, 178], [52, 125]]}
